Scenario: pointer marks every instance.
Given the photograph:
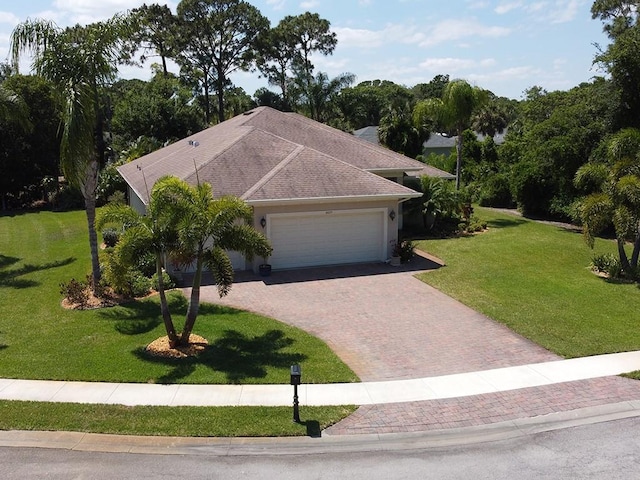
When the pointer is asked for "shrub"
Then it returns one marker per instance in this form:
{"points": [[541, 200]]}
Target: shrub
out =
{"points": [[607, 263], [166, 279], [496, 192], [75, 292], [146, 263], [110, 237], [405, 250], [140, 285]]}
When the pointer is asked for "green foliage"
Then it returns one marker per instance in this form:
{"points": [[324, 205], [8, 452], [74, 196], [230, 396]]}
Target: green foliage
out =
{"points": [[140, 285], [495, 191], [446, 163], [555, 134], [404, 249], [109, 182], [216, 38], [147, 115], [398, 132], [607, 263], [110, 236], [616, 201], [29, 140], [166, 280]]}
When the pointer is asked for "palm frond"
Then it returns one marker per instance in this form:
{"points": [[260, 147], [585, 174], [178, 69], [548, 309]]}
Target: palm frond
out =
{"points": [[217, 260]]}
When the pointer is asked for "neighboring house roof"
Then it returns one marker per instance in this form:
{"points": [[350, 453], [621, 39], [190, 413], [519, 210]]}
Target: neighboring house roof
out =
{"points": [[436, 140], [267, 156], [370, 134]]}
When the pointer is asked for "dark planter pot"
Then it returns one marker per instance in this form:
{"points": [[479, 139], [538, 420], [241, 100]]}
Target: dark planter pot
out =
{"points": [[265, 270]]}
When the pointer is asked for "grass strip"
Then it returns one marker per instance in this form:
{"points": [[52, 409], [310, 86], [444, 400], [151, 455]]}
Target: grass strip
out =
{"points": [[168, 421]]}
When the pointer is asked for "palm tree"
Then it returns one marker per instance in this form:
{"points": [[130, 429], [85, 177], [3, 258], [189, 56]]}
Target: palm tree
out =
{"points": [[155, 232], [78, 60], [13, 108], [320, 91], [615, 197], [452, 113], [207, 228]]}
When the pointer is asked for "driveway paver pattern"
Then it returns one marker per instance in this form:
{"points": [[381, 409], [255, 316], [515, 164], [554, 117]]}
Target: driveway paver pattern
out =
{"points": [[382, 321], [386, 324]]}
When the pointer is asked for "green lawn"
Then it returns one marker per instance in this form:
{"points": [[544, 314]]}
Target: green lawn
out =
{"points": [[535, 278], [41, 340], [171, 421]]}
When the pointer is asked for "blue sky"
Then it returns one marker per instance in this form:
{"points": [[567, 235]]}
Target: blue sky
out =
{"points": [[506, 46]]}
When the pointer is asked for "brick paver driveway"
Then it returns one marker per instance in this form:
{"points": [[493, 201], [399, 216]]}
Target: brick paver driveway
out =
{"points": [[385, 324], [382, 321]]}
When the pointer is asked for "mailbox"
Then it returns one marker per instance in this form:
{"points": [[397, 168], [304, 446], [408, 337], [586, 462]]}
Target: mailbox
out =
{"points": [[296, 374]]}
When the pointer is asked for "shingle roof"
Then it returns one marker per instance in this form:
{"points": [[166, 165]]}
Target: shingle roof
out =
{"points": [[266, 155]]}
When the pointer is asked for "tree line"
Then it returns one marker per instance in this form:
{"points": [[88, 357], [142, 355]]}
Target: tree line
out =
{"points": [[551, 135]]}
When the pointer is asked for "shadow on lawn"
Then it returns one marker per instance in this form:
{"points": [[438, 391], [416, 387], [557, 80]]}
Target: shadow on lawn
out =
{"points": [[505, 222], [143, 315], [9, 278], [235, 354]]}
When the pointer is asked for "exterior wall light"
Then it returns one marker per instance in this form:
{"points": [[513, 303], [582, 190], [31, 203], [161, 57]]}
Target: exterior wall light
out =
{"points": [[263, 222], [392, 215]]}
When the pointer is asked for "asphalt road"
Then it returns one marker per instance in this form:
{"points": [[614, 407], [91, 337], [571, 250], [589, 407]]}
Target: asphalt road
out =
{"points": [[608, 450]]}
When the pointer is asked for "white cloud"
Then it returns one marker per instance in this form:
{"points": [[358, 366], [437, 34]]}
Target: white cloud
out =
{"points": [[564, 11], [556, 11], [506, 7], [277, 4], [455, 64], [309, 4], [451, 30], [9, 18]]}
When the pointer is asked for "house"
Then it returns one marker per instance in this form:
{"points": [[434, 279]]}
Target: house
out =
{"points": [[437, 143], [320, 195]]}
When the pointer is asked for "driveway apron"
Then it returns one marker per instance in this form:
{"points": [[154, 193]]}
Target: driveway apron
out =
{"points": [[382, 321]]}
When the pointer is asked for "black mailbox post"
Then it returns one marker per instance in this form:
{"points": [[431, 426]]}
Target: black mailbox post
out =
{"points": [[296, 375]]}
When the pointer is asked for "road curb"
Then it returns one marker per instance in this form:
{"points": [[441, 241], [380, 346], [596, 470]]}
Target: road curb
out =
{"points": [[105, 443]]}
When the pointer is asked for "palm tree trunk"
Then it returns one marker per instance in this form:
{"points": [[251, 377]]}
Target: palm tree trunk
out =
{"points": [[164, 306], [458, 158], [194, 300], [89, 193], [624, 260], [636, 250]]}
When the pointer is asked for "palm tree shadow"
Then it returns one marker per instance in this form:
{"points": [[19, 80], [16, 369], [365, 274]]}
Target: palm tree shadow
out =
{"points": [[140, 316], [235, 354], [10, 278]]}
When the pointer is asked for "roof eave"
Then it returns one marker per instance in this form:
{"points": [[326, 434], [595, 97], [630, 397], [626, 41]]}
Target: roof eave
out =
{"points": [[326, 200]]}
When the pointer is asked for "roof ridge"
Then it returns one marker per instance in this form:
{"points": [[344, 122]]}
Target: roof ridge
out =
{"points": [[272, 173]]}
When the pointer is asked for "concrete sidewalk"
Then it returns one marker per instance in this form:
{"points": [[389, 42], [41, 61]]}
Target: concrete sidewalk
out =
{"points": [[367, 393]]}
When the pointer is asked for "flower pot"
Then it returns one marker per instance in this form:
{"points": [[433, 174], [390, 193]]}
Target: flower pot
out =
{"points": [[264, 270], [395, 261]]}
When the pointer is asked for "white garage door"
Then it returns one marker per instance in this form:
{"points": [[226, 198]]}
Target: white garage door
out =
{"points": [[327, 238]]}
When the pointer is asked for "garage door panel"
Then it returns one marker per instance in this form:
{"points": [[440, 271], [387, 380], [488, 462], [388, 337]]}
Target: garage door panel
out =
{"points": [[324, 239]]}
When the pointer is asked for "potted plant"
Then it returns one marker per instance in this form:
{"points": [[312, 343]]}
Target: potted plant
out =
{"points": [[264, 268]]}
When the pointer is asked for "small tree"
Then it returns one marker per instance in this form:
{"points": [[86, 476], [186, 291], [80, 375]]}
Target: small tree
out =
{"points": [[155, 232], [615, 197], [207, 229], [452, 113]]}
